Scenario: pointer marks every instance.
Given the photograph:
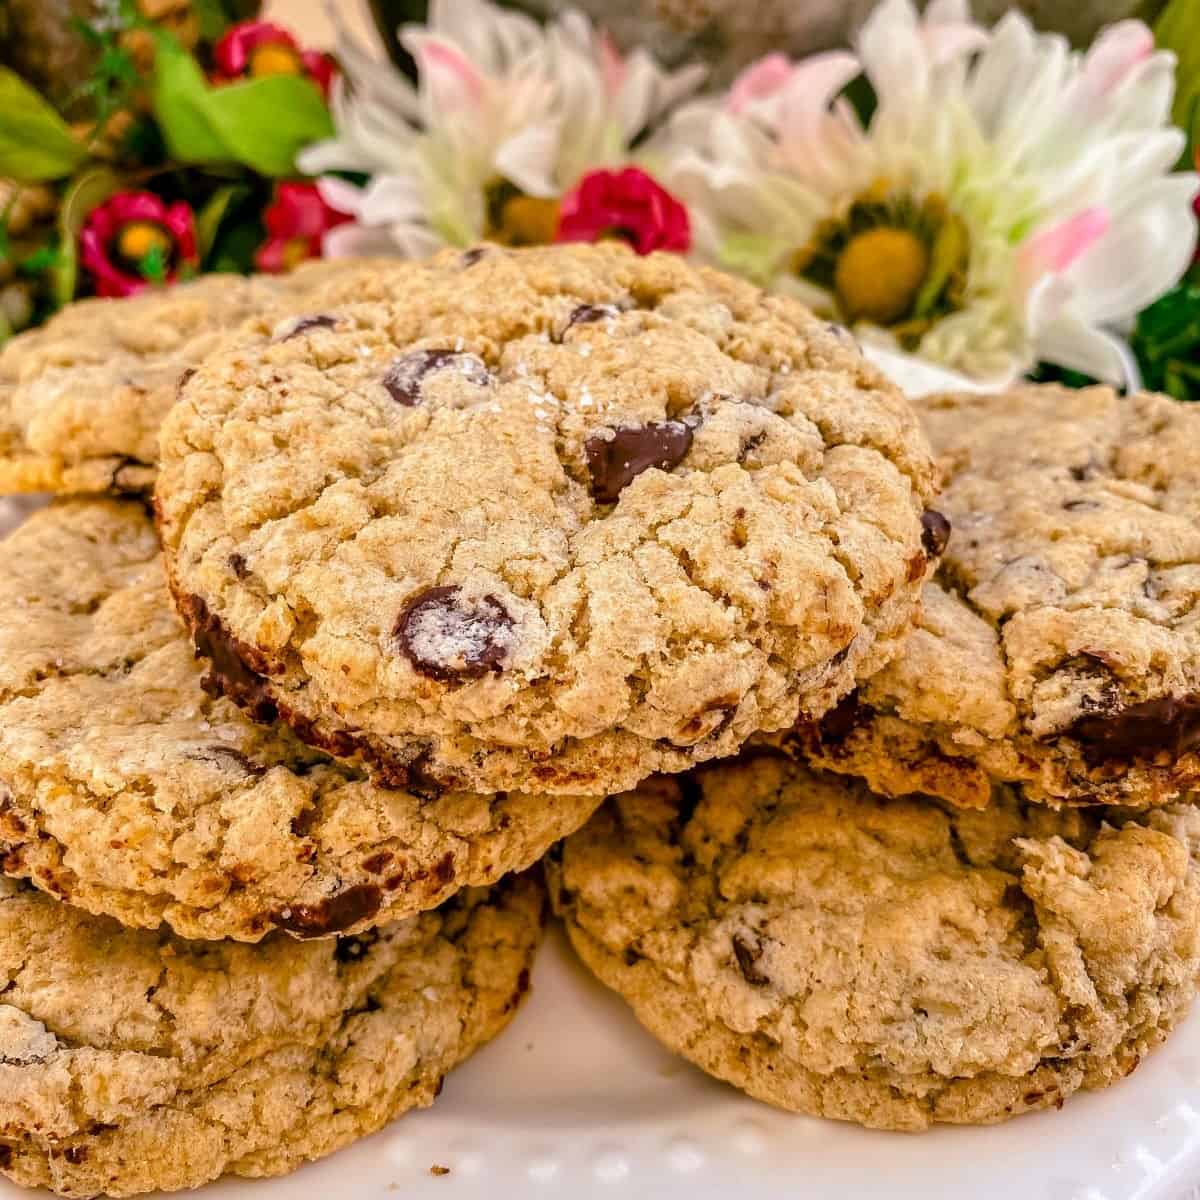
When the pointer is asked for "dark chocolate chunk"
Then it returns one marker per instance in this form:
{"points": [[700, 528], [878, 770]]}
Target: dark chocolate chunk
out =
{"points": [[935, 532], [472, 256], [748, 950], [337, 913], [403, 379], [452, 639], [301, 325], [614, 462], [237, 564], [1167, 725], [229, 674]]}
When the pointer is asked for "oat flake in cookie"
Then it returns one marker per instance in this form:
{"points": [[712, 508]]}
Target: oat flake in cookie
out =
{"points": [[82, 397], [126, 790], [891, 962], [133, 1061], [1060, 645], [547, 519]]}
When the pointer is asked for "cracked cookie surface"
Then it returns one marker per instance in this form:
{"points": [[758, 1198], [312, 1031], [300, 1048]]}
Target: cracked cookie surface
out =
{"points": [[126, 790], [133, 1061], [82, 397], [1059, 647], [548, 519], [890, 962]]}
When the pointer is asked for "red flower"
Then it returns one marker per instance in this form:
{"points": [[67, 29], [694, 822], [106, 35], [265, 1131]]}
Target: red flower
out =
{"points": [[252, 49], [296, 222], [627, 204], [134, 240]]}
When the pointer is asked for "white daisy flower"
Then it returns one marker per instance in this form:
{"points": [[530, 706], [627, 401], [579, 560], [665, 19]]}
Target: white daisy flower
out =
{"points": [[1009, 200], [505, 118]]}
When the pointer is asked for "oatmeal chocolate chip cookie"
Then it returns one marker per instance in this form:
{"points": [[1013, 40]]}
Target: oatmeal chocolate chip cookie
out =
{"points": [[133, 1061], [547, 519], [82, 397], [126, 790], [1060, 644], [890, 962]]}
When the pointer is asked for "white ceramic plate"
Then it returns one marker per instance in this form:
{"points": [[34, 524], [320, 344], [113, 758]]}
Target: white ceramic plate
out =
{"points": [[576, 1101]]}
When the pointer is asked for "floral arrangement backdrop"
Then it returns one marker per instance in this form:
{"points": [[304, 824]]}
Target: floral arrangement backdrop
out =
{"points": [[978, 203]]}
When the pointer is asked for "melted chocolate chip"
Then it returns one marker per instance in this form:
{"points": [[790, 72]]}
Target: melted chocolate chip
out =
{"points": [[443, 870], [472, 256], [237, 564], [1168, 725], [184, 376], [748, 950], [228, 673], [589, 314], [403, 379], [301, 325], [75, 1155], [935, 532], [452, 639], [338, 913], [614, 462]]}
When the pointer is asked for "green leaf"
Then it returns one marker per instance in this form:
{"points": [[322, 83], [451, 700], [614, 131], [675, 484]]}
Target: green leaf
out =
{"points": [[266, 122], [261, 123], [210, 217], [35, 143], [180, 97], [1178, 29], [86, 192]]}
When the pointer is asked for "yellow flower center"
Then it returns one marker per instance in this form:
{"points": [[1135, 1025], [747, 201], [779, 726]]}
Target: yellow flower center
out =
{"points": [[274, 58], [525, 221], [295, 251], [879, 273], [139, 238]]}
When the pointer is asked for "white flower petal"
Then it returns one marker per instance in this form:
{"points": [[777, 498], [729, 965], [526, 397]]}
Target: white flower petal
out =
{"points": [[1144, 254], [1073, 343], [528, 158]]}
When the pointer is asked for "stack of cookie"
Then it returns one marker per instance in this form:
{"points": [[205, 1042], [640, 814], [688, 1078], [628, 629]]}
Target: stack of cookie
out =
{"points": [[1014, 912], [444, 554]]}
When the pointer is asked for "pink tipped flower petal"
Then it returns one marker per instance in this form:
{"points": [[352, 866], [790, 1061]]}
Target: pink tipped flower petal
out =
{"points": [[452, 77], [612, 65], [1114, 54], [758, 81], [1054, 249]]}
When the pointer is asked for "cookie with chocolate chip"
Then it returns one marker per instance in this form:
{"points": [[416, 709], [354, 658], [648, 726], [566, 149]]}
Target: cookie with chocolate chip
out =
{"points": [[891, 962], [1060, 644], [133, 1061], [82, 397], [547, 519], [128, 790]]}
